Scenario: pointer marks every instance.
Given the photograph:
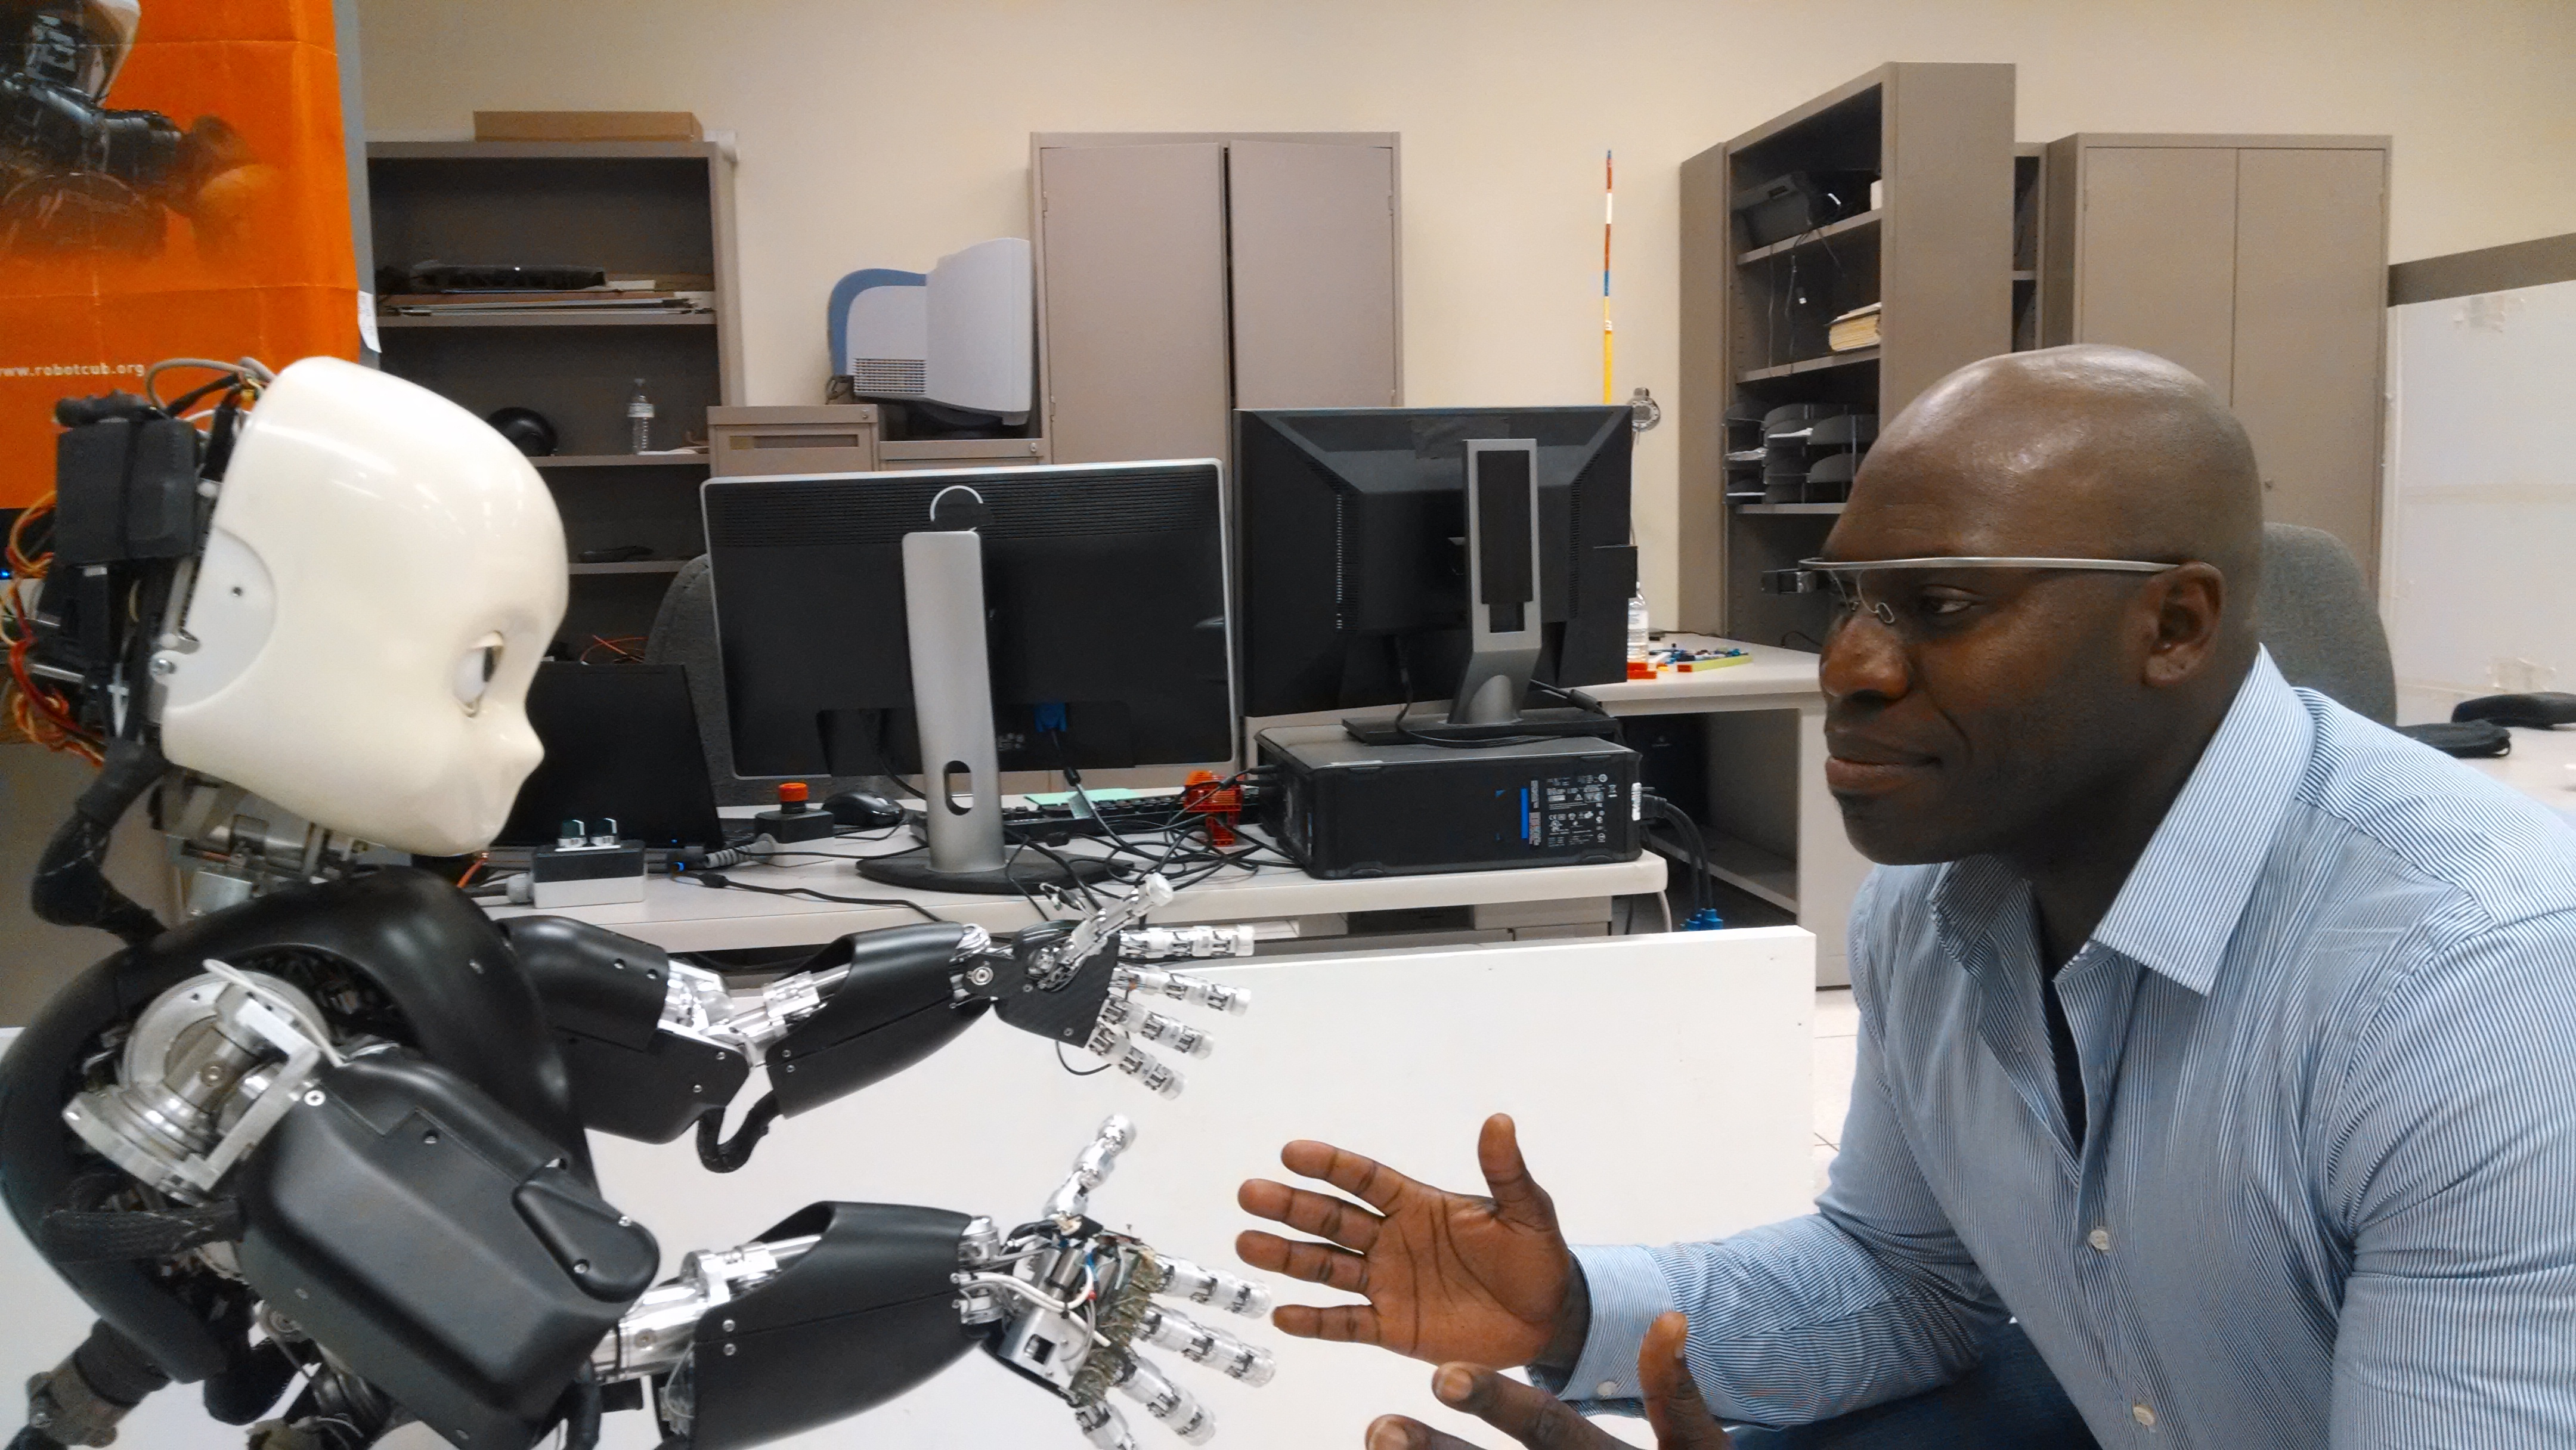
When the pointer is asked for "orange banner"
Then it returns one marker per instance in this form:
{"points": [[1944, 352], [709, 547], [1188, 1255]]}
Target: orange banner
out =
{"points": [[173, 183]]}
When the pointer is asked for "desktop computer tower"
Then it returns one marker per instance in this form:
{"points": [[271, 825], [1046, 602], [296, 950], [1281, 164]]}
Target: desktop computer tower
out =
{"points": [[1345, 809]]}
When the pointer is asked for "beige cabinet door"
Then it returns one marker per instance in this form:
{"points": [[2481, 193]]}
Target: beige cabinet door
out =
{"points": [[2311, 325], [2157, 269], [1131, 262], [1314, 269]]}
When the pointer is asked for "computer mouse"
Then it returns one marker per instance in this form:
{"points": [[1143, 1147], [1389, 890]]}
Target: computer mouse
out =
{"points": [[864, 810], [2535, 711]]}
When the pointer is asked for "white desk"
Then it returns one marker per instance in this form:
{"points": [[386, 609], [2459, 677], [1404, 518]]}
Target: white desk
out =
{"points": [[1597, 1048], [1776, 831], [2542, 766], [1484, 905]]}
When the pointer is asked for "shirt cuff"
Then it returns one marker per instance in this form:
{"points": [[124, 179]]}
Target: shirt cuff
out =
{"points": [[1628, 1294]]}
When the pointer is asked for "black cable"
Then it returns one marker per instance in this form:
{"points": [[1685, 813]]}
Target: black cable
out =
{"points": [[1688, 836], [71, 886], [1073, 778], [581, 1422], [1011, 878], [178, 406], [720, 1155], [1090, 897], [717, 881], [1079, 1071]]}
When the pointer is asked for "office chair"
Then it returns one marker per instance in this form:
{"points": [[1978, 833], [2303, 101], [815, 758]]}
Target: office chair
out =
{"points": [[2315, 613], [684, 633]]}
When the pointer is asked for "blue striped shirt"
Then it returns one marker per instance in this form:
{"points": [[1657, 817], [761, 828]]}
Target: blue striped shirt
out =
{"points": [[2328, 1191]]}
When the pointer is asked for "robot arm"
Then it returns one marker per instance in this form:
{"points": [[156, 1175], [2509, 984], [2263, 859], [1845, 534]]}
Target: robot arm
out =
{"points": [[656, 1044], [847, 1305]]}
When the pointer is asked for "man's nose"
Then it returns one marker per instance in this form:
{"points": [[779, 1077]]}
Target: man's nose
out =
{"points": [[1863, 657]]}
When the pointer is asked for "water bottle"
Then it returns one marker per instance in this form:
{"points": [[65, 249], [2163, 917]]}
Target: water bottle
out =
{"points": [[1639, 637], [639, 421]]}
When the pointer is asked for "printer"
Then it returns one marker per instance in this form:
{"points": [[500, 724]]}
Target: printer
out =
{"points": [[957, 343]]}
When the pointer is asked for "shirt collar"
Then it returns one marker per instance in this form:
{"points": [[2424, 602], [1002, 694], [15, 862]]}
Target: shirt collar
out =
{"points": [[2181, 902]]}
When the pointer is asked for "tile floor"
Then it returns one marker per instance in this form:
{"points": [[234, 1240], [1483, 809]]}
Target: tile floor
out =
{"points": [[1837, 1042]]}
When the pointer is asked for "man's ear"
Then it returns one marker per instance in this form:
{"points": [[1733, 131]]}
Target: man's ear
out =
{"points": [[2187, 608]]}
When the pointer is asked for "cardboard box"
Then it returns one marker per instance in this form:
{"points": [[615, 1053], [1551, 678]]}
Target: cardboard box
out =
{"points": [[587, 126]]}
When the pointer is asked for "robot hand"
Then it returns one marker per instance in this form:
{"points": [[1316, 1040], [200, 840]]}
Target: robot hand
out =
{"points": [[1072, 981], [1070, 1304]]}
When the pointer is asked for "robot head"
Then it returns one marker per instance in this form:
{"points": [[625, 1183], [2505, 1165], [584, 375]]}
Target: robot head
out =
{"points": [[76, 44], [382, 575]]}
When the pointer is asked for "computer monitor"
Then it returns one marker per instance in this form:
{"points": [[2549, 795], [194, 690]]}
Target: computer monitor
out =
{"points": [[1101, 594], [1354, 558]]}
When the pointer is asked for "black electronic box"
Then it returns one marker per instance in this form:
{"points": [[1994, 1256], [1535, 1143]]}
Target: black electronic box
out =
{"points": [[1344, 809]]}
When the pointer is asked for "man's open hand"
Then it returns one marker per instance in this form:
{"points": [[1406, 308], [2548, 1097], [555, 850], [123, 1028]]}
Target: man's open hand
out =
{"points": [[1447, 1276], [1541, 1421]]}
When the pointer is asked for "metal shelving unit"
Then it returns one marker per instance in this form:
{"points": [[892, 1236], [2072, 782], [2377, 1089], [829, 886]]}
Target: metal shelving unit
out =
{"points": [[640, 207], [1939, 138]]}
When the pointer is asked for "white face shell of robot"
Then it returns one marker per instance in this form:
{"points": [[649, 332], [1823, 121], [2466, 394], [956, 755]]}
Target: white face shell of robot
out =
{"points": [[383, 574]]}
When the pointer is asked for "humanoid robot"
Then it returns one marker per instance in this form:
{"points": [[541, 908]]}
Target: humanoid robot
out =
{"points": [[333, 1128], [75, 174]]}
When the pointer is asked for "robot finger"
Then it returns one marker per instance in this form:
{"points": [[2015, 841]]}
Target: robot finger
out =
{"points": [[1091, 1169], [1123, 1054], [1182, 987], [1102, 1425], [1156, 1028], [1171, 1329], [1165, 1401], [1181, 1279]]}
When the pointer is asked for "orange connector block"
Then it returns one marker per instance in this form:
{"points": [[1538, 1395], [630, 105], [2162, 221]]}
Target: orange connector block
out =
{"points": [[1221, 806]]}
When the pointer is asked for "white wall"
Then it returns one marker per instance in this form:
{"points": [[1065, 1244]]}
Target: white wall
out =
{"points": [[883, 134], [2479, 552]]}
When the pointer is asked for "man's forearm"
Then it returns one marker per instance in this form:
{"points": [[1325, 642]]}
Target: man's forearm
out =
{"points": [[1774, 1334]]}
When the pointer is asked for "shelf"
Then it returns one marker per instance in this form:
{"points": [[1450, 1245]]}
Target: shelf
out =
{"points": [[1742, 865], [620, 460], [632, 566], [1853, 358], [1825, 233], [542, 150], [1789, 508], [2025, 274], [586, 317]]}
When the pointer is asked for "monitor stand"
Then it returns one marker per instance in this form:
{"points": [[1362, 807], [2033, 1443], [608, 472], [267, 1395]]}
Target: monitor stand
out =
{"points": [[1502, 616], [952, 696]]}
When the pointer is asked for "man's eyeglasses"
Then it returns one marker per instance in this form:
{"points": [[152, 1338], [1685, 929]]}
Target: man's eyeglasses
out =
{"points": [[1909, 592]]}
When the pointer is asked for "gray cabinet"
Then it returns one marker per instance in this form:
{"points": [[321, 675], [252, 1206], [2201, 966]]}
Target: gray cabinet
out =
{"points": [[1313, 267], [2258, 262], [1180, 277]]}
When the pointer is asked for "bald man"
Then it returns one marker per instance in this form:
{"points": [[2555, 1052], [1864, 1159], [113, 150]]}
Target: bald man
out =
{"points": [[2217, 1064]]}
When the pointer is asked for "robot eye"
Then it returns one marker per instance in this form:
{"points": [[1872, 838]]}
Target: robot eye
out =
{"points": [[474, 671]]}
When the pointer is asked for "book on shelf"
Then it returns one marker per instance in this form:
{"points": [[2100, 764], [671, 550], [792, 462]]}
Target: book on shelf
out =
{"points": [[424, 304], [1855, 329]]}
